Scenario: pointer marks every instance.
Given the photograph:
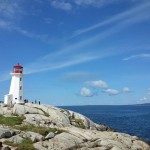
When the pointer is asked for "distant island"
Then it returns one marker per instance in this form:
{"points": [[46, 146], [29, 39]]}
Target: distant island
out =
{"points": [[144, 104]]}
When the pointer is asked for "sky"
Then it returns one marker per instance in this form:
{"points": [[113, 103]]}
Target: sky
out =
{"points": [[77, 52]]}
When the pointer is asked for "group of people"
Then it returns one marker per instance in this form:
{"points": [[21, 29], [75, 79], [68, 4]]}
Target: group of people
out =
{"points": [[4, 148], [37, 102]]}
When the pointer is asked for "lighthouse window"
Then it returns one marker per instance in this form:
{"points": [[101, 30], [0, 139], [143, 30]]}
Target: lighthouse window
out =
{"points": [[20, 87], [20, 97], [20, 79]]}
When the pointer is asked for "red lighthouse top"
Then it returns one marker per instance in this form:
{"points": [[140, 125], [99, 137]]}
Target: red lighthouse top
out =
{"points": [[18, 68]]}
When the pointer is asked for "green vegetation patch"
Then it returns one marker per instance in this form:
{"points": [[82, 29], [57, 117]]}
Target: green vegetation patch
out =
{"points": [[65, 111], [41, 130], [78, 122], [11, 121], [26, 144], [45, 113]]}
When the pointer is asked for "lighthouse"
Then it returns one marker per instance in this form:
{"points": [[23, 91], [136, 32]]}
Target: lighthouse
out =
{"points": [[16, 87]]}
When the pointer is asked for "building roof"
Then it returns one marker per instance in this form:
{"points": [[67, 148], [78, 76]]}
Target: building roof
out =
{"points": [[18, 66]]}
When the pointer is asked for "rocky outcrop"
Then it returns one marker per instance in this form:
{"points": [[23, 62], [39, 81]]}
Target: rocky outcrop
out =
{"points": [[48, 127], [48, 116], [81, 139]]}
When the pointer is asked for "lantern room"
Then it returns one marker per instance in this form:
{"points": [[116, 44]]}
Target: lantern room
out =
{"points": [[18, 68]]}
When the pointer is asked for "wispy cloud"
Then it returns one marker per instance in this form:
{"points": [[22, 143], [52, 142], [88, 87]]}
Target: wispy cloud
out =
{"points": [[61, 5], [79, 76], [12, 27], [9, 9], [54, 62], [58, 62], [138, 14], [42, 37], [62, 59], [73, 51], [128, 17], [76, 54], [95, 3], [71, 55], [73, 4], [139, 56], [5, 24], [68, 5]]}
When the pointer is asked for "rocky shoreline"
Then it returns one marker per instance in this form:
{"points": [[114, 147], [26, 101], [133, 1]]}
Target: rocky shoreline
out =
{"points": [[43, 127]]}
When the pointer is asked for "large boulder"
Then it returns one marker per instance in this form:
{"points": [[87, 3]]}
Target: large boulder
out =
{"points": [[5, 133], [35, 137], [49, 135], [16, 139], [25, 109], [53, 113], [62, 141]]}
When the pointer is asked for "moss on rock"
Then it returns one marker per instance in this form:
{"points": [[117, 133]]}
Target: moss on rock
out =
{"points": [[11, 121]]}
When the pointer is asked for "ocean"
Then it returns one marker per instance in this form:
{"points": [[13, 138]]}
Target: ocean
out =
{"points": [[130, 119]]}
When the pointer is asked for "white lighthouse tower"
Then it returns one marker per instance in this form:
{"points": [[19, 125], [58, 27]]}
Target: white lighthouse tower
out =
{"points": [[16, 88]]}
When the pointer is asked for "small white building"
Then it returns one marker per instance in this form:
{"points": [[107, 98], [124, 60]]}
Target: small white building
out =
{"points": [[16, 88]]}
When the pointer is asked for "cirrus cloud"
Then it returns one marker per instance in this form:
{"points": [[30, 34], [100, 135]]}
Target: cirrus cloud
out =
{"points": [[61, 5], [95, 3], [139, 56], [10, 8]]}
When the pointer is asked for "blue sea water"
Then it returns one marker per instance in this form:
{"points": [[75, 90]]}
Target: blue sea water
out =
{"points": [[130, 119]]}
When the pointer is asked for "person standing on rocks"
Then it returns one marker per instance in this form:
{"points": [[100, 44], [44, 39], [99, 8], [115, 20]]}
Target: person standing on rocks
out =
{"points": [[39, 102], [35, 101]]}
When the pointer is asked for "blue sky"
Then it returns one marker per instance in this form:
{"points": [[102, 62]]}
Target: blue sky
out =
{"points": [[77, 52]]}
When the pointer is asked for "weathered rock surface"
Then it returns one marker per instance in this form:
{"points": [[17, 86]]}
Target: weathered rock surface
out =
{"points": [[81, 139], [49, 135], [16, 139], [35, 137], [69, 130]]}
